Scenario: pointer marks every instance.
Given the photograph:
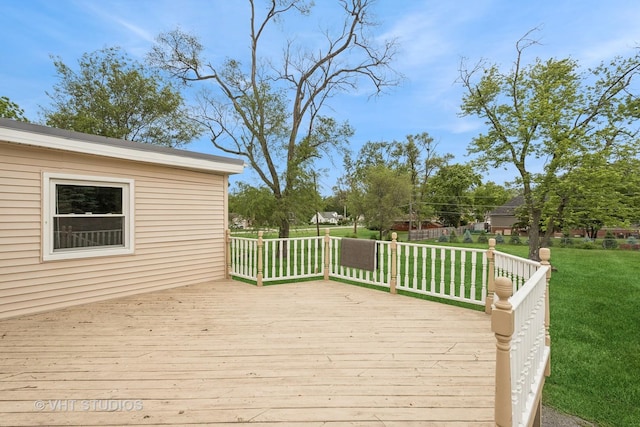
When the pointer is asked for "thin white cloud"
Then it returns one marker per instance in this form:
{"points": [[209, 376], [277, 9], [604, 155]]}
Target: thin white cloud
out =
{"points": [[113, 15]]}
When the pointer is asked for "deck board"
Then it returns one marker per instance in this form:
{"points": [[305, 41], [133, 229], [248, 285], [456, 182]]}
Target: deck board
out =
{"points": [[304, 354]]}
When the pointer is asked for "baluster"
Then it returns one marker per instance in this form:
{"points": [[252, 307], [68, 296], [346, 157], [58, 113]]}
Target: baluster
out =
{"points": [[423, 283], [394, 262], [474, 265], [452, 276], [502, 325], [463, 263], [259, 257], [433, 271], [442, 270], [491, 276]]}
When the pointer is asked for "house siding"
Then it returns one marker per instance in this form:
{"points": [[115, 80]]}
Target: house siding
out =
{"points": [[180, 218]]}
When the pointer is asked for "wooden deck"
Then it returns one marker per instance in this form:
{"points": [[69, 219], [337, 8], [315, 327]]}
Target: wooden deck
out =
{"points": [[305, 354]]}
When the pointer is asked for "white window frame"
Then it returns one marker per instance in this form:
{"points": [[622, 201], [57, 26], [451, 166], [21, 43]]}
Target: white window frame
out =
{"points": [[49, 182]]}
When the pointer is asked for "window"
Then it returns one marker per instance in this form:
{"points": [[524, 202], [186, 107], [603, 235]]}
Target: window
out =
{"points": [[87, 216]]}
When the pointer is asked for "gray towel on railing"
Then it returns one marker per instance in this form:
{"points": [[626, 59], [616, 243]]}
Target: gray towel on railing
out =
{"points": [[358, 253]]}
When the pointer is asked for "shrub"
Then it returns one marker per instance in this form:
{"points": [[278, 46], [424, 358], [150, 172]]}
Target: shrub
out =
{"points": [[609, 241], [467, 237], [566, 241], [585, 243], [632, 241], [515, 240], [499, 238], [443, 238], [482, 238], [453, 237]]}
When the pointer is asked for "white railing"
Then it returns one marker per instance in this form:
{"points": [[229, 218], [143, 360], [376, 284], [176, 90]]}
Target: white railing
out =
{"points": [[451, 273], [295, 258], [520, 310], [517, 269], [458, 274], [529, 354], [241, 257], [381, 276], [521, 324]]}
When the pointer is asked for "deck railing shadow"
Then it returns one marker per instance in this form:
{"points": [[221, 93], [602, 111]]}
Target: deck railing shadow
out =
{"points": [[513, 290]]}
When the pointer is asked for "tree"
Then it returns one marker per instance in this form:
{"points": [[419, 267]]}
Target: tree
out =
{"points": [[549, 112], [385, 192], [417, 156], [255, 204], [451, 193], [114, 96], [488, 196], [593, 196], [269, 111], [11, 110]]}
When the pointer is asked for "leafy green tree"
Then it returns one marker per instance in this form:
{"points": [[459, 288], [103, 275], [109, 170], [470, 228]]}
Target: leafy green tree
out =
{"points": [[418, 158], [550, 112], [255, 204], [114, 96], [269, 110], [593, 195], [488, 196], [451, 193], [385, 192], [11, 110]]}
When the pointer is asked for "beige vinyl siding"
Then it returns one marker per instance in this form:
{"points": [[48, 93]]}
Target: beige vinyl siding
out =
{"points": [[180, 218]]}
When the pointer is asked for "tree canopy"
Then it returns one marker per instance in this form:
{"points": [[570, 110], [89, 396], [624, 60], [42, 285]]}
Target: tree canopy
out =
{"points": [[545, 117], [11, 110], [114, 96], [269, 110]]}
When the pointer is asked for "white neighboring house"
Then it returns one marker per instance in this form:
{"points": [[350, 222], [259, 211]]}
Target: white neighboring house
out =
{"points": [[325, 218]]}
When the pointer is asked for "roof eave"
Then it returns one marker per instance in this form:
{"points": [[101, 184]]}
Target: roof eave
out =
{"points": [[80, 145]]}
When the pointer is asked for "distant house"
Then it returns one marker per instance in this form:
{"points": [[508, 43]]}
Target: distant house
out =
{"points": [[406, 223], [238, 221], [326, 218], [503, 218], [86, 218]]}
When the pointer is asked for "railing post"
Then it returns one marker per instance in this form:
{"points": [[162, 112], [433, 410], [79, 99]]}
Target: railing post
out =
{"points": [[260, 249], [394, 263], [545, 256], [492, 276], [228, 273], [326, 254], [502, 325]]}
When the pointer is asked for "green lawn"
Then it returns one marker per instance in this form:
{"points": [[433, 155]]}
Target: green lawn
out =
{"points": [[595, 332]]}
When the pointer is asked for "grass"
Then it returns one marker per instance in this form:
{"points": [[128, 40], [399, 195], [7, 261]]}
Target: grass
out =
{"points": [[595, 332]]}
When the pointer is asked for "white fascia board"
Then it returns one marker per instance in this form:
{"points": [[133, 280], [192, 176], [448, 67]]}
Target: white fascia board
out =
{"points": [[134, 154]]}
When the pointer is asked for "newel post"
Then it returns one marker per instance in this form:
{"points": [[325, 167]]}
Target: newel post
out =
{"points": [[545, 256], [502, 325], [488, 302], [326, 253], [394, 263], [260, 250], [227, 254]]}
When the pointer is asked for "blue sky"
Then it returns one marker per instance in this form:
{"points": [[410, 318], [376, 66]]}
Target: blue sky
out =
{"points": [[433, 36]]}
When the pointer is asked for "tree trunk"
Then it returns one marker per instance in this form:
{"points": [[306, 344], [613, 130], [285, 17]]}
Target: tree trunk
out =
{"points": [[534, 234], [283, 233]]}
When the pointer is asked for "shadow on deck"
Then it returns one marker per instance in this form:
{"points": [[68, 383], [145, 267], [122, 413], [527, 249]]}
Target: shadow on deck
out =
{"points": [[303, 354]]}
